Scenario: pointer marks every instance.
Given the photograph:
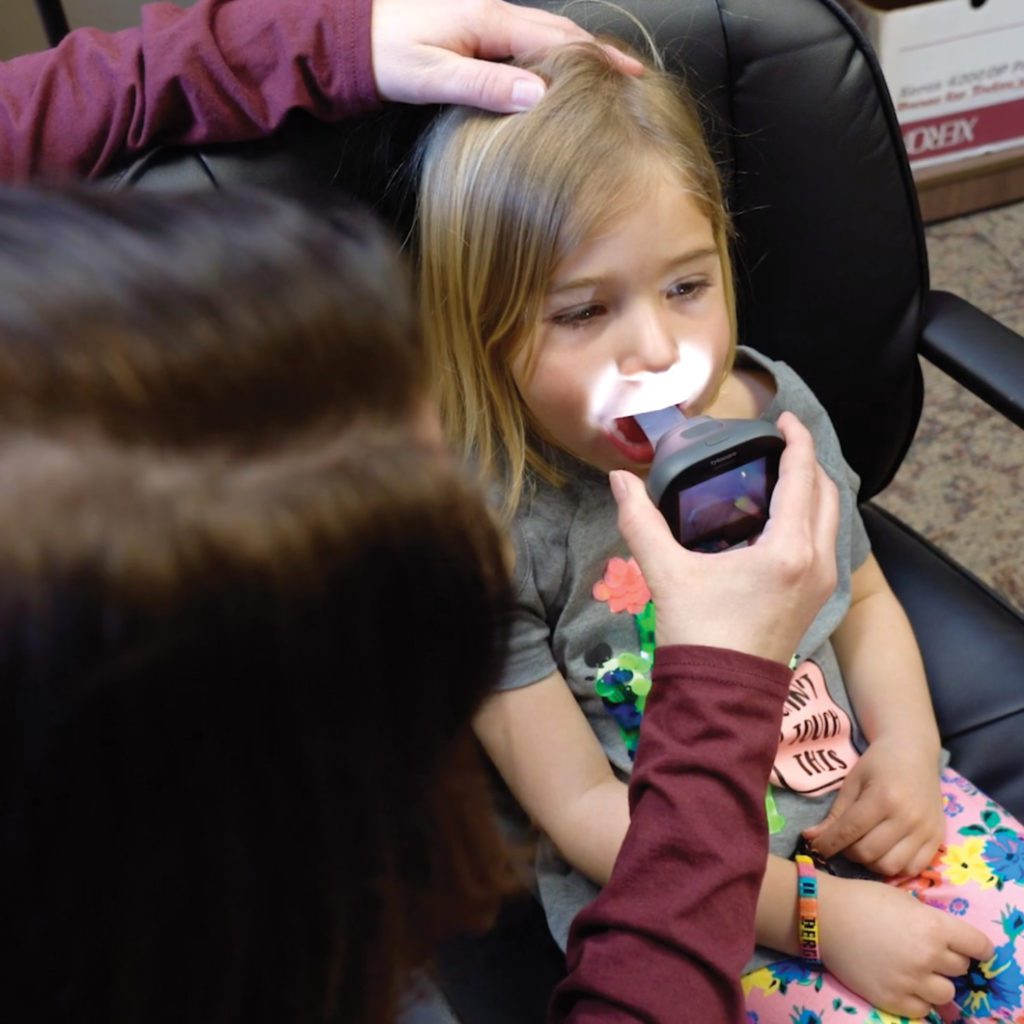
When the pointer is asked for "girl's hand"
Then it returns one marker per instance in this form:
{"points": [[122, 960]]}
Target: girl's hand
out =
{"points": [[892, 950], [888, 814]]}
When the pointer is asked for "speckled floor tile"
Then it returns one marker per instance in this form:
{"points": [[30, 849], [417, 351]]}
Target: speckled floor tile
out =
{"points": [[962, 482], [981, 257]]}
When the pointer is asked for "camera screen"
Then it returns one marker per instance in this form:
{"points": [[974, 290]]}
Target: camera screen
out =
{"points": [[727, 510]]}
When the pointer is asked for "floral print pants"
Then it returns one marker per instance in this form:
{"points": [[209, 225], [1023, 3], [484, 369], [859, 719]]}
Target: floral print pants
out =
{"points": [[977, 874]]}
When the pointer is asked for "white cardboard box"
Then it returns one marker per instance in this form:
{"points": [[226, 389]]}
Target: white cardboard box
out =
{"points": [[955, 69]]}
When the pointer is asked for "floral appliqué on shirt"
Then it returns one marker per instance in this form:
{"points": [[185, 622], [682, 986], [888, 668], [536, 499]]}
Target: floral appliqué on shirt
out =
{"points": [[624, 680], [623, 587]]}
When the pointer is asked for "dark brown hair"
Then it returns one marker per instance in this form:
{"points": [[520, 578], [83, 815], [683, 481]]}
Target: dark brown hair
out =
{"points": [[236, 672], [204, 317]]}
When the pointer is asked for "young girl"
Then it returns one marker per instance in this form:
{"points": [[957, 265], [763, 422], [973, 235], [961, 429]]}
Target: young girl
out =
{"points": [[575, 271]]}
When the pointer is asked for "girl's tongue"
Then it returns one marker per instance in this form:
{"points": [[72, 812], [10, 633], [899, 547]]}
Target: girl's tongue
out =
{"points": [[631, 441], [628, 427]]}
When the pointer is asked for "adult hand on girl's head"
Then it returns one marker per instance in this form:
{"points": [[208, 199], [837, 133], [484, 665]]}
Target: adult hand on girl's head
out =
{"points": [[425, 51], [891, 949], [760, 599]]}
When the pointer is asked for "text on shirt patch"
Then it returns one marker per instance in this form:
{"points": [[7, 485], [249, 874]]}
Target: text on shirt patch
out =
{"points": [[816, 739]]}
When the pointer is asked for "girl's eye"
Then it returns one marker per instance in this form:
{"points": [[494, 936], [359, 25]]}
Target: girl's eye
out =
{"points": [[688, 289], [577, 317]]}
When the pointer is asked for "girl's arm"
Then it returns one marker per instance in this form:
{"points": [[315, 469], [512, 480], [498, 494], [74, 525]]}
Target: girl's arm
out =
{"points": [[890, 950], [543, 746], [668, 936], [775, 923], [894, 952], [888, 813], [545, 750], [882, 664], [672, 926]]}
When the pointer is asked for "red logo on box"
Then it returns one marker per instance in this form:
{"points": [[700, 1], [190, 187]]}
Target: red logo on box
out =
{"points": [[967, 129]]}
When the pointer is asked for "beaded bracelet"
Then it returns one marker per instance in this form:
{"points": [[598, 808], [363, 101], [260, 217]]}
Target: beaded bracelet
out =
{"points": [[807, 909]]}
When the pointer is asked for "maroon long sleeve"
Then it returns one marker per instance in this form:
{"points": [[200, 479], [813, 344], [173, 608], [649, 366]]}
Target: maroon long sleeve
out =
{"points": [[223, 70], [667, 938]]}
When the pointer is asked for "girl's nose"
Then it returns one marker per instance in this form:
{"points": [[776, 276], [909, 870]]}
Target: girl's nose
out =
{"points": [[649, 345]]}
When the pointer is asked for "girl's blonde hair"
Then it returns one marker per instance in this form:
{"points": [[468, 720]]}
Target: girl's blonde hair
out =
{"points": [[503, 199]]}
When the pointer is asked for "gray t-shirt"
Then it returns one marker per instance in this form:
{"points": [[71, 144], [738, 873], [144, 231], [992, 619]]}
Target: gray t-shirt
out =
{"points": [[583, 609]]}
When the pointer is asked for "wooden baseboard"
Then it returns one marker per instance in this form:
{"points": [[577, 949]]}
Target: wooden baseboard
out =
{"points": [[966, 186]]}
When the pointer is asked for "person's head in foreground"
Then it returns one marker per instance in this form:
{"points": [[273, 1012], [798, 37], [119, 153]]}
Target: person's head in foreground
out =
{"points": [[249, 608]]}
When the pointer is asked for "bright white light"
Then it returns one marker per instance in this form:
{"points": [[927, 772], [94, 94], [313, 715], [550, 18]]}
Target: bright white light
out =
{"points": [[616, 394]]}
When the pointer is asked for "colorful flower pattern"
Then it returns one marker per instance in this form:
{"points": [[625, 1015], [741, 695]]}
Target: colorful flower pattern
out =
{"points": [[982, 857], [1004, 856], [964, 864], [971, 876], [624, 680], [952, 806]]}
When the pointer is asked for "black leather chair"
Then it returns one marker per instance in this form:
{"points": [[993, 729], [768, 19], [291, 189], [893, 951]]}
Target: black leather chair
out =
{"points": [[832, 277]]}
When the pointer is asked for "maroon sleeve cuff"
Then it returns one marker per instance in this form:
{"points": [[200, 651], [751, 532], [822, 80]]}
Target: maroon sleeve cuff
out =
{"points": [[712, 665]]}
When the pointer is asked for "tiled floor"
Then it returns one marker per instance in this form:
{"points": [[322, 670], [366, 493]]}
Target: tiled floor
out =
{"points": [[962, 483]]}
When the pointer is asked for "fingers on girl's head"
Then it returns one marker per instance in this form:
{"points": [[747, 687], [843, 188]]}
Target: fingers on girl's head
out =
{"points": [[623, 61], [530, 31], [533, 30]]}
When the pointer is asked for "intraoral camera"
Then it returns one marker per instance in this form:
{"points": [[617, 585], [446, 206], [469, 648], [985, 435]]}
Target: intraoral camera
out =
{"points": [[711, 479]]}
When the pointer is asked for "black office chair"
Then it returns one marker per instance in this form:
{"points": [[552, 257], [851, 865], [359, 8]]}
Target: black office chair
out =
{"points": [[832, 277], [55, 21]]}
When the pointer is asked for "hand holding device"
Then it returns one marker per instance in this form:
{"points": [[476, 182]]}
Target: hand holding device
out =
{"points": [[712, 479], [758, 600]]}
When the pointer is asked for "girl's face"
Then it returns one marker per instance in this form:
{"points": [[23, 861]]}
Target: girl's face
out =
{"points": [[635, 318]]}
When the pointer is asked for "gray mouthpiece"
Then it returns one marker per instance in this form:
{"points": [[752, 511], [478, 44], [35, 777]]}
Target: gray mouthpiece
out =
{"points": [[659, 422]]}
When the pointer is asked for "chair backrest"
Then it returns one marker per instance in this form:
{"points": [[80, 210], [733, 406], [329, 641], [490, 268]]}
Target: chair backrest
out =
{"points": [[831, 264]]}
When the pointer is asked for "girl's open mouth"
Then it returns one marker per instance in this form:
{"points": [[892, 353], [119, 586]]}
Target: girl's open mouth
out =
{"points": [[626, 434]]}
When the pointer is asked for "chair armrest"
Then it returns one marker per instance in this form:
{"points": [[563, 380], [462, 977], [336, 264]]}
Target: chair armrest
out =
{"points": [[972, 642], [980, 353]]}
